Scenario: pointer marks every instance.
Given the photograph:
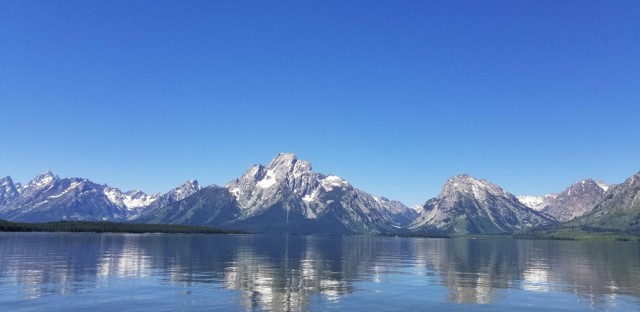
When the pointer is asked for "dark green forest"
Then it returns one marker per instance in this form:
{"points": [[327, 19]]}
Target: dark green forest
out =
{"points": [[109, 227]]}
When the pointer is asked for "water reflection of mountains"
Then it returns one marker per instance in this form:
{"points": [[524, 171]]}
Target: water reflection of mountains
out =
{"points": [[285, 273]]}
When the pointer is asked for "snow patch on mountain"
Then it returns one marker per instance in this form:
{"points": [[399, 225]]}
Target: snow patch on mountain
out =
{"points": [[130, 200], [604, 186], [42, 180], [332, 181], [73, 185], [534, 202], [269, 179]]}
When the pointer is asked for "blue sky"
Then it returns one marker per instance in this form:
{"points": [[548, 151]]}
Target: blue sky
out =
{"points": [[394, 96]]}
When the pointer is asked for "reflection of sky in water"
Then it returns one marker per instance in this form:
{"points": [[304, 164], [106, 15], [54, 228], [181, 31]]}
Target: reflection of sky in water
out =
{"points": [[299, 273]]}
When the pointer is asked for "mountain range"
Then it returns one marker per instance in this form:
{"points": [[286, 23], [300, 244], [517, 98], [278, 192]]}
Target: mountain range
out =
{"points": [[288, 196]]}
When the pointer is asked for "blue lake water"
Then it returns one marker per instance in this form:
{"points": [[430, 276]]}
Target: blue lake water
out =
{"points": [[158, 272]]}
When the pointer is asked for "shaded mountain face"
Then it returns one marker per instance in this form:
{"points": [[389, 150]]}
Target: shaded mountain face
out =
{"points": [[576, 200], [50, 198], [467, 205], [211, 206], [619, 210], [8, 190], [177, 194], [287, 195]]}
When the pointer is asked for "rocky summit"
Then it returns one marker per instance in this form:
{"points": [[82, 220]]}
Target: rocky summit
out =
{"points": [[467, 205], [288, 195], [618, 210]]}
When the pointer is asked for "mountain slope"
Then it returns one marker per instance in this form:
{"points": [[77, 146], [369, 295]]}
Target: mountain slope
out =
{"points": [[50, 198], [467, 205], [575, 201], [177, 194], [211, 206], [619, 210]]}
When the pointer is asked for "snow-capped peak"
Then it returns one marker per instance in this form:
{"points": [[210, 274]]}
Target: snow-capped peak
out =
{"points": [[45, 175], [283, 169], [290, 184], [260, 184], [43, 180]]}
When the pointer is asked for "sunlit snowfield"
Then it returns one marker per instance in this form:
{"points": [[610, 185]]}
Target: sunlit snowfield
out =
{"points": [[45, 271]]}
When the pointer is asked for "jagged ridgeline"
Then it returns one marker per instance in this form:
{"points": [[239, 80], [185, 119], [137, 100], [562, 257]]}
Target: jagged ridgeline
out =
{"points": [[288, 196], [50, 198]]}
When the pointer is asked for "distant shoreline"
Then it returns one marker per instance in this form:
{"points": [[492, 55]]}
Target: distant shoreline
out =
{"points": [[563, 233], [110, 227]]}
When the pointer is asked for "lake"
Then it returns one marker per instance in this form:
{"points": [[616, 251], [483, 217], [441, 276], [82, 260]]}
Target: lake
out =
{"points": [[164, 272]]}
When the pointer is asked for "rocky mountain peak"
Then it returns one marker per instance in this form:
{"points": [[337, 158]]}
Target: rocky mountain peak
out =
{"points": [[284, 169], [578, 199], [6, 184], [185, 189], [619, 207], [283, 160], [288, 164], [45, 175], [135, 194], [7, 190], [587, 185], [261, 186], [289, 187], [470, 205], [467, 185], [43, 179], [191, 184], [6, 180]]}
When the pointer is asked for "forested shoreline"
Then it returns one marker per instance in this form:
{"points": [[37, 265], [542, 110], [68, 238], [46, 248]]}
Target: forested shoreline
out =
{"points": [[110, 227]]}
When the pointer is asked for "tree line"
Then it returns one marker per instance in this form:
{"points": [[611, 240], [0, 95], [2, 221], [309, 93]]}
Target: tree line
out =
{"points": [[109, 227]]}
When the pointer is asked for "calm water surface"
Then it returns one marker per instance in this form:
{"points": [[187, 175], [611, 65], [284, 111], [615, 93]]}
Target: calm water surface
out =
{"points": [[46, 271]]}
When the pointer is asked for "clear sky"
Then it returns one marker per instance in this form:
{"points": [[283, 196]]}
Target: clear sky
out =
{"points": [[394, 96]]}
